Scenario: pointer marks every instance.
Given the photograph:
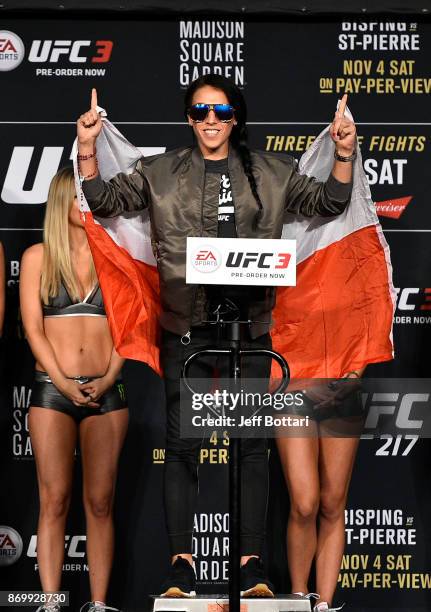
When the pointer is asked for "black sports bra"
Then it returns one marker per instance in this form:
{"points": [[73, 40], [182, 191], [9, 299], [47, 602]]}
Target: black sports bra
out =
{"points": [[63, 306]]}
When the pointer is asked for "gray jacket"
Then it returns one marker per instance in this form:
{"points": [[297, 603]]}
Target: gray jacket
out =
{"points": [[183, 201]]}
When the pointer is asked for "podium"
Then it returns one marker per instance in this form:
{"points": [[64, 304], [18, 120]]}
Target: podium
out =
{"points": [[207, 254], [220, 603]]}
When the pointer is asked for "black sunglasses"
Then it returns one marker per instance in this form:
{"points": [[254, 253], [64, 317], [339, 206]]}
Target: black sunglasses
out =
{"points": [[199, 112]]}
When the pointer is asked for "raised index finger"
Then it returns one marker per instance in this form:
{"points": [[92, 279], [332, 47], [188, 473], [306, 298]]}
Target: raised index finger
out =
{"points": [[93, 99], [342, 107]]}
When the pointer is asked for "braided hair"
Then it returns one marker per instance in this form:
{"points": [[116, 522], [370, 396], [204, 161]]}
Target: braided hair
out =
{"points": [[239, 134]]}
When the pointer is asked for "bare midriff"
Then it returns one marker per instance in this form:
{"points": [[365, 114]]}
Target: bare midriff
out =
{"points": [[82, 345]]}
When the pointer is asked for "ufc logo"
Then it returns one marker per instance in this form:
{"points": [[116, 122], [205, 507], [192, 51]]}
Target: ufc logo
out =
{"points": [[395, 404], [46, 161], [71, 544], [243, 260], [52, 50]]}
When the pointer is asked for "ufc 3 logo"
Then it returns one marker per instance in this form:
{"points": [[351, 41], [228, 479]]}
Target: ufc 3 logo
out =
{"points": [[76, 51], [243, 260], [413, 298]]}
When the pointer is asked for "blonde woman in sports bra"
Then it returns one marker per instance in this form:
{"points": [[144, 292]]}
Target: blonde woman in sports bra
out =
{"points": [[77, 391]]}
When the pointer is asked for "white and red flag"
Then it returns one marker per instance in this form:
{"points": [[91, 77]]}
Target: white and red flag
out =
{"points": [[336, 319]]}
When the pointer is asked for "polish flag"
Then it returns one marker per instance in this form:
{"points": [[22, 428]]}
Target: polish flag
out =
{"points": [[336, 319]]}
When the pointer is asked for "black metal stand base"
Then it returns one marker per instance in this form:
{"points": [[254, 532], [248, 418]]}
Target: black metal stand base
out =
{"points": [[235, 353]]}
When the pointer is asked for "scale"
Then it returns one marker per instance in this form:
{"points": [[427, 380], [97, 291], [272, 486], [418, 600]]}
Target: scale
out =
{"points": [[220, 603]]}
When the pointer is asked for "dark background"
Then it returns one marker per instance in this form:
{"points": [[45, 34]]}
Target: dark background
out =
{"points": [[286, 51]]}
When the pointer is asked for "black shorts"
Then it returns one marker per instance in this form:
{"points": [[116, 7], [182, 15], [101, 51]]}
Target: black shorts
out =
{"points": [[44, 394], [350, 407]]}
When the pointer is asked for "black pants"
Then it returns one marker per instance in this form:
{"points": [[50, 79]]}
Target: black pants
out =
{"points": [[182, 454]]}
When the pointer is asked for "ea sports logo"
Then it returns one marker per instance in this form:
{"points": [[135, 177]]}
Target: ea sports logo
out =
{"points": [[10, 545], [206, 259], [11, 51]]}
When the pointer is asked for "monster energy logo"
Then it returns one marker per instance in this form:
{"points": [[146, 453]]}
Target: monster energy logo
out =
{"points": [[121, 391]]}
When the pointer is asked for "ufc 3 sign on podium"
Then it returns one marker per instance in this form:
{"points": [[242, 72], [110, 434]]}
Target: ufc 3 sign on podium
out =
{"points": [[241, 261]]}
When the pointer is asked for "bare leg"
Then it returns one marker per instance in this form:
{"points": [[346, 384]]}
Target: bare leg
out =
{"points": [[53, 437], [336, 458], [299, 459], [101, 440]]}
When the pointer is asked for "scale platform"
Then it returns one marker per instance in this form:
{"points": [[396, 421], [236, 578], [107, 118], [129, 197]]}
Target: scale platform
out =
{"points": [[220, 603]]}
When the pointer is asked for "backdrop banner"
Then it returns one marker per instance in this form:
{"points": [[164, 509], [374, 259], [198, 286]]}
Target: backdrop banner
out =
{"points": [[292, 74], [251, 7]]}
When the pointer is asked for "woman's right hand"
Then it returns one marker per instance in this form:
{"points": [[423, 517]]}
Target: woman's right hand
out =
{"points": [[89, 124], [72, 390]]}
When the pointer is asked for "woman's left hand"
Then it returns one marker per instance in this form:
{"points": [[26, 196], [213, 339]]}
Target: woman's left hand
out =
{"points": [[332, 395], [343, 131], [97, 387]]}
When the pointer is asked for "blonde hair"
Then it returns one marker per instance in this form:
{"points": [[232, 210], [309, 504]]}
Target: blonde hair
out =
{"points": [[57, 262]]}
